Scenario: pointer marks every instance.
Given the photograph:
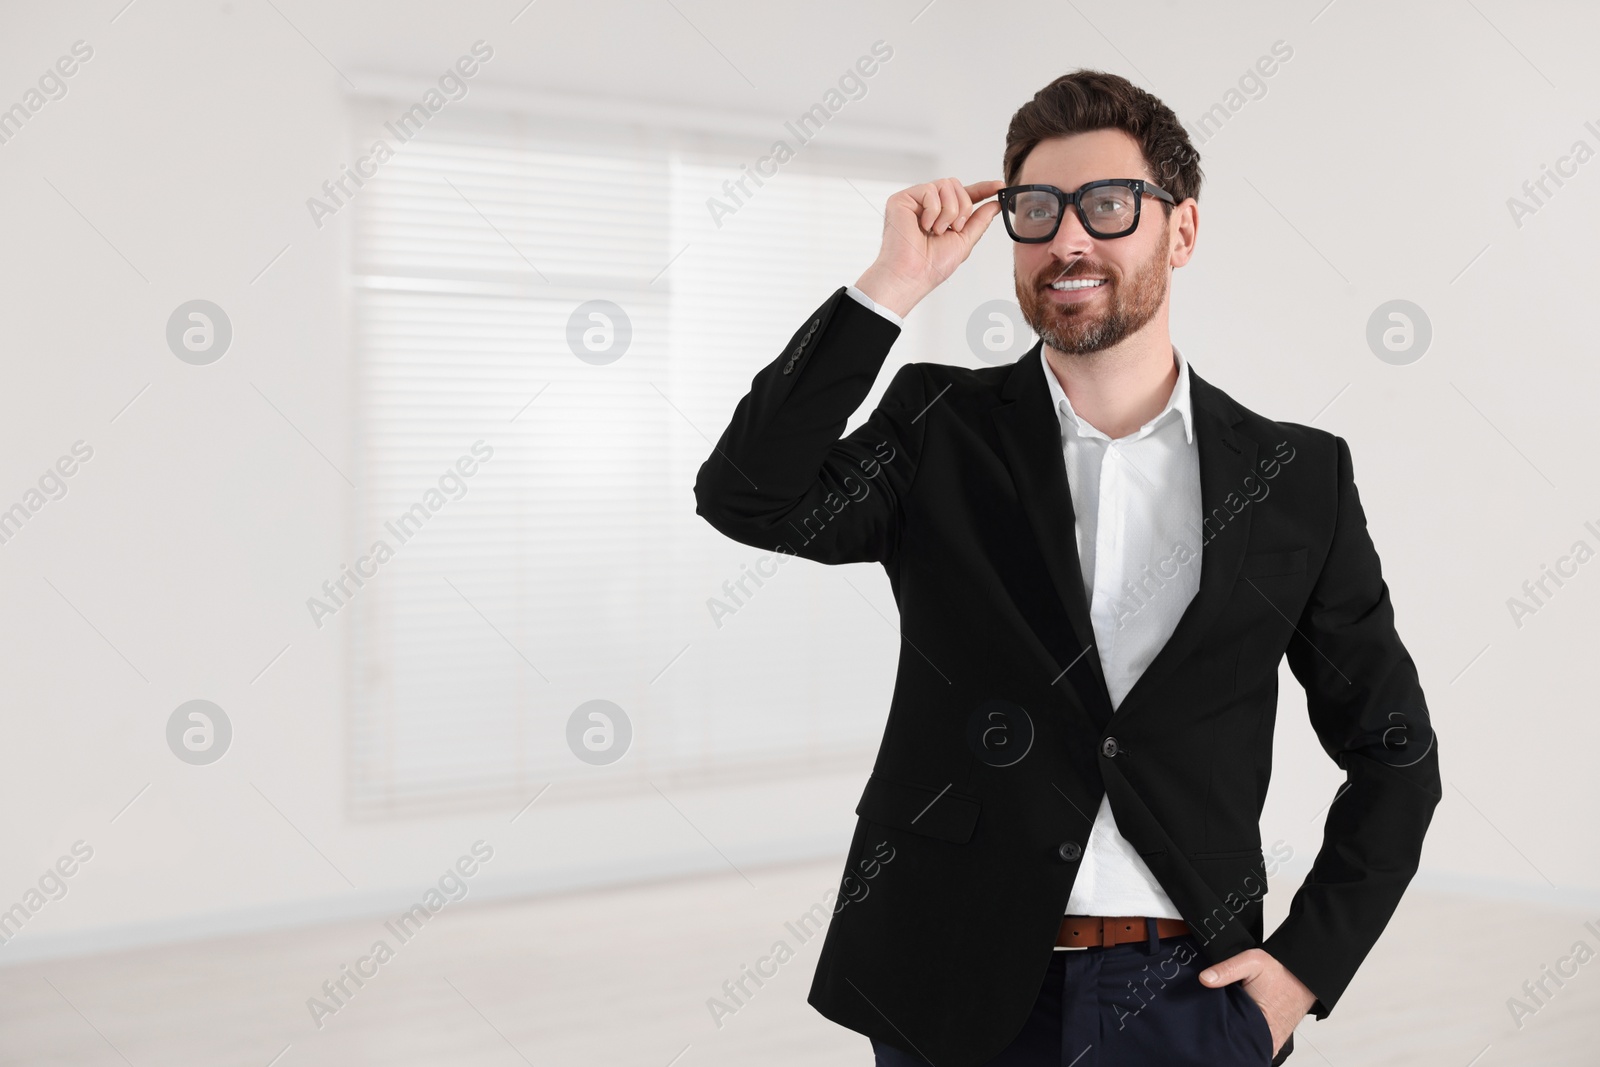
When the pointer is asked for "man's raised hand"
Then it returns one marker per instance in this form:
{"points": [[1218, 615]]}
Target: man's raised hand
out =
{"points": [[928, 231]]}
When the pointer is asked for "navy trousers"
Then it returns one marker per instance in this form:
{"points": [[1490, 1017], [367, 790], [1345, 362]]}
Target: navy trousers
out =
{"points": [[1132, 1005]]}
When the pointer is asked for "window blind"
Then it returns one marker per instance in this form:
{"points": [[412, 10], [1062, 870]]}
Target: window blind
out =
{"points": [[570, 566]]}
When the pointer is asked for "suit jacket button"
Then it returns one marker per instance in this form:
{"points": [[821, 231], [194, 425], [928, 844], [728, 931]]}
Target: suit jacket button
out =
{"points": [[1070, 851], [1108, 747], [789, 366]]}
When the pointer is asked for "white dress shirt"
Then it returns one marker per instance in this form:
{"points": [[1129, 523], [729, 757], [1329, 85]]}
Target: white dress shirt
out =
{"points": [[874, 305], [1141, 567], [1137, 502]]}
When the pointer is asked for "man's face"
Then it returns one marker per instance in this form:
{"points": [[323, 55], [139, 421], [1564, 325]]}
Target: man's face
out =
{"points": [[1133, 271]]}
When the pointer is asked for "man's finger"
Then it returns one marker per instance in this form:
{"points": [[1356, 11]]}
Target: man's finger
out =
{"points": [[1230, 970], [983, 190], [978, 221]]}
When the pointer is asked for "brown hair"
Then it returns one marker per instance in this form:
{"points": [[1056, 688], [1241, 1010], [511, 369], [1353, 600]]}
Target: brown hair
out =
{"points": [[1095, 100]]}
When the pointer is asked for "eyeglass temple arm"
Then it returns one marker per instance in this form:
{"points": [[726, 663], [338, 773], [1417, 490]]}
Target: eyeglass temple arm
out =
{"points": [[1157, 192]]}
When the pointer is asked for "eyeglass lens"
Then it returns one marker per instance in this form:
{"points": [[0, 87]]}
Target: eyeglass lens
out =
{"points": [[1107, 209]]}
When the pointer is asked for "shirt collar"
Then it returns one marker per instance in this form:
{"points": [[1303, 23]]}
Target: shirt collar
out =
{"points": [[1179, 401]]}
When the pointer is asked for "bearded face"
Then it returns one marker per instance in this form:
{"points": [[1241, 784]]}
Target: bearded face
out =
{"points": [[1090, 304]]}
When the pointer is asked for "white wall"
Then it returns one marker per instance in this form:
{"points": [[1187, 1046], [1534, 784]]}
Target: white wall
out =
{"points": [[1377, 165]]}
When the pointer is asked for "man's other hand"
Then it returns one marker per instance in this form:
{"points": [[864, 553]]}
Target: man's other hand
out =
{"points": [[1283, 998]]}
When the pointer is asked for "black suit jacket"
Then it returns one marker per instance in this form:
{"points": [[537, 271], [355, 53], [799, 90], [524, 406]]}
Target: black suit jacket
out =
{"points": [[965, 851]]}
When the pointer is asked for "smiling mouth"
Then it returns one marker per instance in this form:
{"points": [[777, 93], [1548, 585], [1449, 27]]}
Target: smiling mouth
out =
{"points": [[1067, 285]]}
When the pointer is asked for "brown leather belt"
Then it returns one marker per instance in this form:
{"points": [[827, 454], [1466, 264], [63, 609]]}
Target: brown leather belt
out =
{"points": [[1085, 931]]}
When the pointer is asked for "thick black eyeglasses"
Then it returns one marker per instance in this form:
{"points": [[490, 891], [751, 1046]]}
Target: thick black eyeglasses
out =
{"points": [[1108, 208]]}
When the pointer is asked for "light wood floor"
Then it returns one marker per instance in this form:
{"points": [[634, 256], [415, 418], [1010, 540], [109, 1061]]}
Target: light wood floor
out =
{"points": [[622, 976]]}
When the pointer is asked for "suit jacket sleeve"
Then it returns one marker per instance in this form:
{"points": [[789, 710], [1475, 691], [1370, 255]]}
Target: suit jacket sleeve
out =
{"points": [[1367, 708], [783, 478]]}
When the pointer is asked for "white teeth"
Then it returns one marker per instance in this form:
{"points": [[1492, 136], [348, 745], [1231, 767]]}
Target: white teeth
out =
{"points": [[1078, 283]]}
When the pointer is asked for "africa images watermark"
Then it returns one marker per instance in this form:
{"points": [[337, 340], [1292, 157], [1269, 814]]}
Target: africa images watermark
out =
{"points": [[736, 591], [812, 525], [52, 486], [1538, 592], [1566, 166], [804, 929], [1252, 85], [52, 886], [453, 481], [1183, 953], [1234, 904], [450, 888], [52, 86], [851, 86], [1138, 593], [1537, 991], [452, 86]]}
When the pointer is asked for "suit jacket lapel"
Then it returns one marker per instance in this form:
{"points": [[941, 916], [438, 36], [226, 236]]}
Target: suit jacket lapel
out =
{"points": [[1227, 459], [1030, 436], [1029, 431]]}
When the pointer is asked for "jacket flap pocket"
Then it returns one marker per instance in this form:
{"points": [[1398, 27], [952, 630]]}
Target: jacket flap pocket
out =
{"points": [[1263, 564], [920, 809]]}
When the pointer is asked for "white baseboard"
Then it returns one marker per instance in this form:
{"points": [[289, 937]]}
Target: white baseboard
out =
{"points": [[27, 947]]}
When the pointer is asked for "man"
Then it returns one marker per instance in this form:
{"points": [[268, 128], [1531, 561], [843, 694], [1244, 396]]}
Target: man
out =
{"points": [[1064, 848]]}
